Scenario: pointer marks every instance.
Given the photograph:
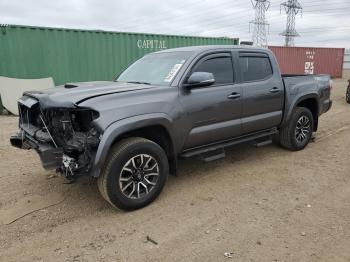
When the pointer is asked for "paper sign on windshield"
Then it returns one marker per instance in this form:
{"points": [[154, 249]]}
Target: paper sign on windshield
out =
{"points": [[172, 72]]}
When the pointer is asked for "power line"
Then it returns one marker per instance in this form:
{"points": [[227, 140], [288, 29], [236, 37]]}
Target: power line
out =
{"points": [[311, 29], [219, 21], [225, 17]]}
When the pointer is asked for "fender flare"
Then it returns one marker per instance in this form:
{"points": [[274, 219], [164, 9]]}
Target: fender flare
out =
{"points": [[296, 101], [122, 126]]}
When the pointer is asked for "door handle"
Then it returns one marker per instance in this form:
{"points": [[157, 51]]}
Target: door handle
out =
{"points": [[234, 96], [274, 90]]}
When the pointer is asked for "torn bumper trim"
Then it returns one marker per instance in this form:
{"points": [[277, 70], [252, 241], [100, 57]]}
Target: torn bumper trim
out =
{"points": [[51, 157], [17, 140]]}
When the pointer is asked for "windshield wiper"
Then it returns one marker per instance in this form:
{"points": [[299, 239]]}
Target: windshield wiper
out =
{"points": [[141, 83]]}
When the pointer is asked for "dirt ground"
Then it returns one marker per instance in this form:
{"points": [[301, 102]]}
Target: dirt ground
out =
{"points": [[264, 204]]}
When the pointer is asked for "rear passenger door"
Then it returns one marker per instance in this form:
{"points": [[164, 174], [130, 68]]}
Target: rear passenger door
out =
{"points": [[263, 92]]}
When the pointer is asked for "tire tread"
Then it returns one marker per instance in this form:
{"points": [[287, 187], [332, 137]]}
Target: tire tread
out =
{"points": [[286, 131], [116, 150]]}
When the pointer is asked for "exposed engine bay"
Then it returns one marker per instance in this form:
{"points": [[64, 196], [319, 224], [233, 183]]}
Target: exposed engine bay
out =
{"points": [[71, 130], [64, 138]]}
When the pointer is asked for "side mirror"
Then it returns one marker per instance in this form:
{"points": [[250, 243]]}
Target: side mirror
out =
{"points": [[200, 79]]}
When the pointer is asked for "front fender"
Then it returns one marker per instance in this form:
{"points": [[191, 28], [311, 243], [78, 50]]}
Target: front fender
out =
{"points": [[123, 126]]}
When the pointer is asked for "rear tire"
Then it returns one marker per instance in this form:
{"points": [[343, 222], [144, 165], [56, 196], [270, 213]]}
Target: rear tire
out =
{"points": [[134, 174], [297, 133], [347, 96]]}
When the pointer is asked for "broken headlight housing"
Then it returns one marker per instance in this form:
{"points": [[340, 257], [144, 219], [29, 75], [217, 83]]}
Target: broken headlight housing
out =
{"points": [[73, 131]]}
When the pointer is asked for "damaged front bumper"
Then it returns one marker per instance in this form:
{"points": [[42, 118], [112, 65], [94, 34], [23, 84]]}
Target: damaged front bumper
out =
{"points": [[65, 139], [51, 157]]}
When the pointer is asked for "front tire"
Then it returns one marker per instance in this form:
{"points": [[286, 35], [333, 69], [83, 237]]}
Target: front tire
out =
{"points": [[134, 174], [296, 134], [348, 95]]}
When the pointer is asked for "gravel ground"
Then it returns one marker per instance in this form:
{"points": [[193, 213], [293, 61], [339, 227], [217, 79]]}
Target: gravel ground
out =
{"points": [[264, 204]]}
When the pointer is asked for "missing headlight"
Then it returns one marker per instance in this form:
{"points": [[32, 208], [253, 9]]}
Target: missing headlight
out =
{"points": [[74, 132]]}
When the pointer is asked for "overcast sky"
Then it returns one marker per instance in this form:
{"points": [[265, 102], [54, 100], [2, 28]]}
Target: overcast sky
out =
{"points": [[323, 22]]}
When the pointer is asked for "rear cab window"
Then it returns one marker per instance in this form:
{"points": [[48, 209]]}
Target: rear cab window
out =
{"points": [[255, 67]]}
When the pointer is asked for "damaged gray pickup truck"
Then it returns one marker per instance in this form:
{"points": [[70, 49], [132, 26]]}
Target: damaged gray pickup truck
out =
{"points": [[184, 102]]}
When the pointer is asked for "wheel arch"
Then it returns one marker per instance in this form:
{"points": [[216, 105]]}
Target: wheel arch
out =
{"points": [[155, 127], [310, 102]]}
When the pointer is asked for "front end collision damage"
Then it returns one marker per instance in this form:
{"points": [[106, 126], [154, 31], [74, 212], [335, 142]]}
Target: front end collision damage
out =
{"points": [[66, 139]]}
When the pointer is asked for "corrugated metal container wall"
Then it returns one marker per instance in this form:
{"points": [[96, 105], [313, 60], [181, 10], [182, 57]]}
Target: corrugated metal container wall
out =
{"points": [[81, 55], [346, 64], [310, 60]]}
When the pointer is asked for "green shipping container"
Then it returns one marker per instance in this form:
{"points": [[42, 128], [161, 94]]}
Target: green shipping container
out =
{"points": [[81, 55], [69, 55]]}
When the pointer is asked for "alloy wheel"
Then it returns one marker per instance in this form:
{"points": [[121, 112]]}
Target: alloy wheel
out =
{"points": [[302, 129], [139, 176]]}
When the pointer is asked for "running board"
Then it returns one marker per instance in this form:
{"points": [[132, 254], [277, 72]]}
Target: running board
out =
{"points": [[261, 143], [213, 155], [221, 145]]}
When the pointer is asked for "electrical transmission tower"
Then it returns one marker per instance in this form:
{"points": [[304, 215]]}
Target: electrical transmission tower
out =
{"points": [[292, 8], [260, 24]]}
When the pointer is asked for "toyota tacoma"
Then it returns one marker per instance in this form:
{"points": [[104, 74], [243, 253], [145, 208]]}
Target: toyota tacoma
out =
{"points": [[178, 103]]}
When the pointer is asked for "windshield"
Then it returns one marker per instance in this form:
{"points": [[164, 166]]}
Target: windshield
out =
{"points": [[155, 69]]}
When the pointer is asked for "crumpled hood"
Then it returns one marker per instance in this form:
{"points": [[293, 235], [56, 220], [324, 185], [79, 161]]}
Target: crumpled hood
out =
{"points": [[63, 97]]}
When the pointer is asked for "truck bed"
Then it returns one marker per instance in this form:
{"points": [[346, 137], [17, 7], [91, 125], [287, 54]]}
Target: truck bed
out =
{"points": [[306, 80], [299, 85]]}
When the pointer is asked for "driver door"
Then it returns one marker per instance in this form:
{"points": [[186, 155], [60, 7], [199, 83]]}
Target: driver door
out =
{"points": [[213, 113]]}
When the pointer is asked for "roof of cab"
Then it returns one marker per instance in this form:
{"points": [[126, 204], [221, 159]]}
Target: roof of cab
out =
{"points": [[199, 49]]}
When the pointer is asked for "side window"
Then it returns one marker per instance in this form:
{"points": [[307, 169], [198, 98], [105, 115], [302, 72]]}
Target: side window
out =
{"points": [[220, 67], [255, 68]]}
